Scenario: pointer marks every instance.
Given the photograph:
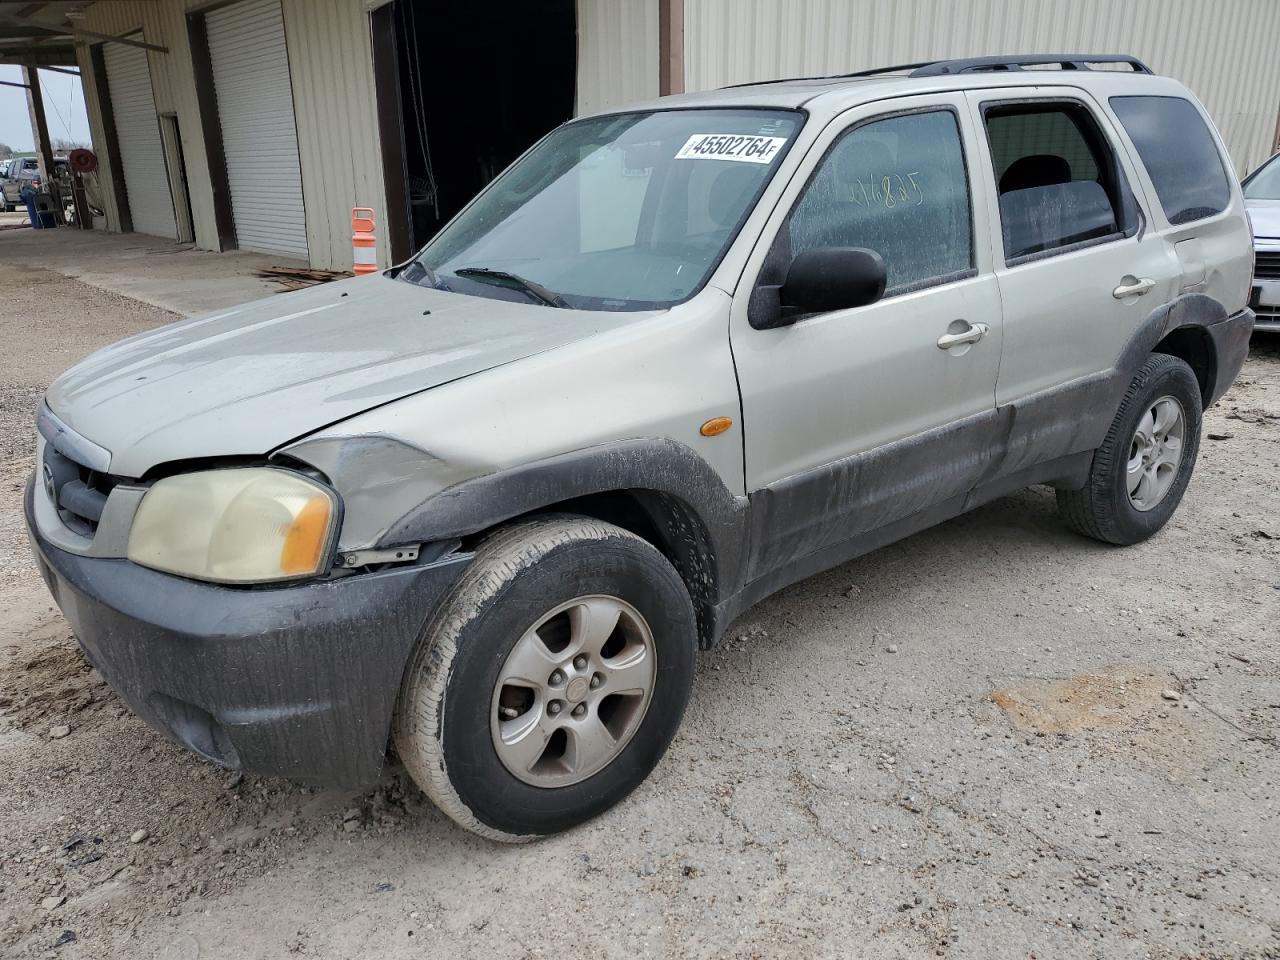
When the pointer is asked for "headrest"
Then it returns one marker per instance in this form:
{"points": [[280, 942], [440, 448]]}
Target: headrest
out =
{"points": [[1037, 170], [865, 159]]}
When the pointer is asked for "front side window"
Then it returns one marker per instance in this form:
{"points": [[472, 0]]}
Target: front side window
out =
{"points": [[897, 186], [1178, 151], [1264, 183], [624, 212], [1056, 176]]}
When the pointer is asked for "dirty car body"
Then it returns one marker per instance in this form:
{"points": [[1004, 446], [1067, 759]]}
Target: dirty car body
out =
{"points": [[899, 313]]}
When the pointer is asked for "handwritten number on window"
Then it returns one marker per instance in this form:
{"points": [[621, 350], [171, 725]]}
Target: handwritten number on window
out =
{"points": [[890, 190]]}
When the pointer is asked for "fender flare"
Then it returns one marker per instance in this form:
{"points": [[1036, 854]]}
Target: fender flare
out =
{"points": [[1229, 335], [703, 524]]}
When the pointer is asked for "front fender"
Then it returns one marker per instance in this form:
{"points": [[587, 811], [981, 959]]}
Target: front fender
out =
{"points": [[702, 524], [701, 521]]}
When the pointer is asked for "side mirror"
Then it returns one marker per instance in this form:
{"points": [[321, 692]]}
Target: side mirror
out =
{"points": [[819, 281]]}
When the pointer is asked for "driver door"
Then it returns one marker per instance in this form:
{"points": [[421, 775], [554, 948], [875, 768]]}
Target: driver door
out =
{"points": [[858, 419]]}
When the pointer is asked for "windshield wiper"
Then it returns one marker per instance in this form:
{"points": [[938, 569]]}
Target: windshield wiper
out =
{"points": [[417, 272], [531, 287]]}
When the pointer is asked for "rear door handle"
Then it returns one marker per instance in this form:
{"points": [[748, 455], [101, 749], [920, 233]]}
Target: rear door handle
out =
{"points": [[974, 333], [1132, 287]]}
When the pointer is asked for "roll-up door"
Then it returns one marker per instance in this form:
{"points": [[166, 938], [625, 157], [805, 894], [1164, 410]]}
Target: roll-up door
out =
{"points": [[146, 180], [259, 137]]}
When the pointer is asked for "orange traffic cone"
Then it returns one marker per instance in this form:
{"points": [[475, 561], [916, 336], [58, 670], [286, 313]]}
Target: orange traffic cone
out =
{"points": [[363, 243]]}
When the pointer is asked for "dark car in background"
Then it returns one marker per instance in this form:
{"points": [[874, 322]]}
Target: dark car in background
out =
{"points": [[1262, 200]]}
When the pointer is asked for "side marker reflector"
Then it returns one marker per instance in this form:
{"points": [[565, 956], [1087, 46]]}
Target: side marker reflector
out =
{"points": [[715, 426]]}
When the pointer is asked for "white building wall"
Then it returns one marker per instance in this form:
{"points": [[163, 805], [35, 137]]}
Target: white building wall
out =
{"points": [[1224, 51], [331, 62], [617, 53], [331, 59]]}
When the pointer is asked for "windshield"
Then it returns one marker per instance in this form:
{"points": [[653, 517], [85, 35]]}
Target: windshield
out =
{"points": [[624, 212], [1264, 183]]}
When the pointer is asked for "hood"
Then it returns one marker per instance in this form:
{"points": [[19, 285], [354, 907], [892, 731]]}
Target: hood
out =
{"points": [[1265, 215], [247, 380]]}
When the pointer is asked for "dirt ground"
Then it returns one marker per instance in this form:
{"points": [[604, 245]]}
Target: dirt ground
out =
{"points": [[992, 740]]}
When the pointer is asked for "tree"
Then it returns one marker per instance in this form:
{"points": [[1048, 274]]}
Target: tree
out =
{"points": [[6, 151]]}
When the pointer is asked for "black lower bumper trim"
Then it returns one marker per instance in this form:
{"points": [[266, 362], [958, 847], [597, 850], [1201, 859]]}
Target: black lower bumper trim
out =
{"points": [[297, 681]]}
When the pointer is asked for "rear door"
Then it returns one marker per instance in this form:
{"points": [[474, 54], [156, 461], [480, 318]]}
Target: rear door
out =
{"points": [[858, 418], [1078, 263]]}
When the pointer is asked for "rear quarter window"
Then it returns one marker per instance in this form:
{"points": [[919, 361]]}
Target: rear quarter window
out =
{"points": [[1179, 153]]}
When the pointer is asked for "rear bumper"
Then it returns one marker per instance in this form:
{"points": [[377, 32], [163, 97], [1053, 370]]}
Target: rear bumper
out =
{"points": [[296, 681], [1267, 314], [1231, 345]]}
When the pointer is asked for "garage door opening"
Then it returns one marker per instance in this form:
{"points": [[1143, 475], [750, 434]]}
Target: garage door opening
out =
{"points": [[463, 90]]}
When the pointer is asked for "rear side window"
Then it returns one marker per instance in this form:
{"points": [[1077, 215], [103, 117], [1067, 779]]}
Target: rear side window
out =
{"points": [[1057, 178], [897, 186], [1179, 153]]}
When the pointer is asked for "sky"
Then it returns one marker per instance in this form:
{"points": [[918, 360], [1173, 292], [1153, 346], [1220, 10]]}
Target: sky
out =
{"points": [[63, 109]]}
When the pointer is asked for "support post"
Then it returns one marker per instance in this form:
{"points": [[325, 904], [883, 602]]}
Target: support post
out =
{"points": [[40, 131], [670, 47]]}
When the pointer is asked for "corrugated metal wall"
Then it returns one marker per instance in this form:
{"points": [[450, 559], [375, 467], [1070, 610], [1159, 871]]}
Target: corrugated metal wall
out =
{"points": [[617, 52], [1224, 51], [331, 62], [331, 58], [164, 24]]}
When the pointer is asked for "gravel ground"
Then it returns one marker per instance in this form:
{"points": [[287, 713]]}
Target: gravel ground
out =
{"points": [[994, 739]]}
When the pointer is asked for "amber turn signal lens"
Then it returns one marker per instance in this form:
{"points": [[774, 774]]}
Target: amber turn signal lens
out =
{"points": [[305, 541], [715, 426]]}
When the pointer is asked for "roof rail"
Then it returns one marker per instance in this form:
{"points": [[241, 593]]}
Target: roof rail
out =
{"points": [[939, 68], [1065, 61], [876, 71]]}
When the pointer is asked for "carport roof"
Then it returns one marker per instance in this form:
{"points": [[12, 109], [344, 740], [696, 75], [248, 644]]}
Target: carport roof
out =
{"points": [[36, 33]]}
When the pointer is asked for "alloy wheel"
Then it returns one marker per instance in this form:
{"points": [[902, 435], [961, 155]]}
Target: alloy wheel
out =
{"points": [[573, 691], [1155, 453]]}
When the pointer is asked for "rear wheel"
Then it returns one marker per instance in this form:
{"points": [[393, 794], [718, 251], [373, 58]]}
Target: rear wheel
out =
{"points": [[552, 680], [1142, 468]]}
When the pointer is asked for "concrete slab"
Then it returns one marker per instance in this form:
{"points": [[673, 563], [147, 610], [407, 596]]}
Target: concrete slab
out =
{"points": [[168, 275]]}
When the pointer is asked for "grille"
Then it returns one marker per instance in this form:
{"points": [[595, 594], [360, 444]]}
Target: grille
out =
{"points": [[78, 492], [1268, 265]]}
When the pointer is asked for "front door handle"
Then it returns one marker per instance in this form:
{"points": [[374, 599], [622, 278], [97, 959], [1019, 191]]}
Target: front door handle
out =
{"points": [[972, 334], [1133, 287]]}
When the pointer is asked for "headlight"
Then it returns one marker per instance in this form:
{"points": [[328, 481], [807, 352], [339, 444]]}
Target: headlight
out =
{"points": [[252, 525]]}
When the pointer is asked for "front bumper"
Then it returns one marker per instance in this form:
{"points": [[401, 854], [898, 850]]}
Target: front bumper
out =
{"points": [[297, 681], [1265, 302], [1265, 296]]}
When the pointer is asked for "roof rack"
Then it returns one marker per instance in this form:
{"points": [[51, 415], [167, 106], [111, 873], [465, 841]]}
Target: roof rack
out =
{"points": [[1064, 61], [939, 68]]}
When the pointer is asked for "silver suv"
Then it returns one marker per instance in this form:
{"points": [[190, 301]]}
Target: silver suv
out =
{"points": [[488, 504]]}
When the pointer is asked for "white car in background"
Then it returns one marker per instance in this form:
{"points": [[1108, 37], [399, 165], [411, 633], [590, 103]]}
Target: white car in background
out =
{"points": [[1262, 200]]}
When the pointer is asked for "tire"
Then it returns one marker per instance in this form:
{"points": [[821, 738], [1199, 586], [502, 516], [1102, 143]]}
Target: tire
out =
{"points": [[1104, 508], [451, 713]]}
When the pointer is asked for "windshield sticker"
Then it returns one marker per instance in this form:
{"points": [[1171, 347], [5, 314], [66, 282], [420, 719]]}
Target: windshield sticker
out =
{"points": [[729, 146]]}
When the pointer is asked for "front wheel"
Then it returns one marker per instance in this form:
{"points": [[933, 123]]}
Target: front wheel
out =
{"points": [[551, 681], [1142, 468]]}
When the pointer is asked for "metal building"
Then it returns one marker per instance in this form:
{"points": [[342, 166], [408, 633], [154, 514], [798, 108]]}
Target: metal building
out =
{"points": [[259, 124]]}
